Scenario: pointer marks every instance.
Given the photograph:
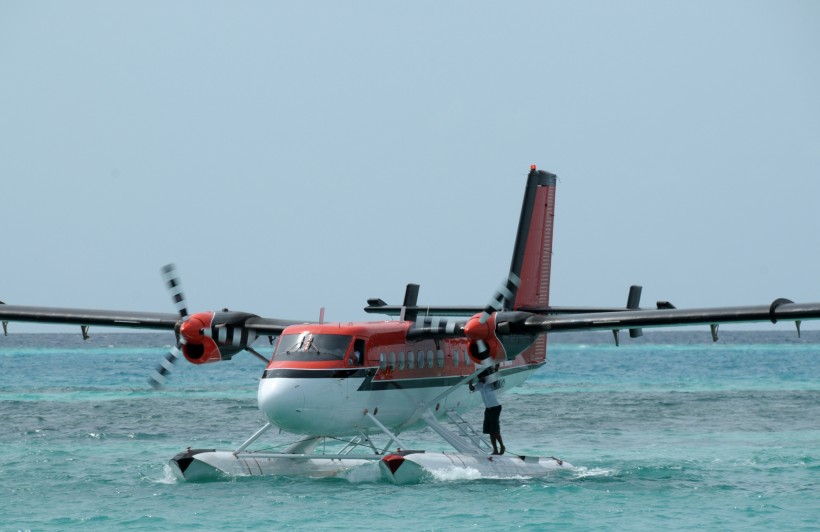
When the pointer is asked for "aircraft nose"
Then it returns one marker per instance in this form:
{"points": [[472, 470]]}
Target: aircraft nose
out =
{"points": [[281, 400]]}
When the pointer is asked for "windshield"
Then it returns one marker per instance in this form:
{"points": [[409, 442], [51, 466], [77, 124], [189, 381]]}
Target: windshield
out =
{"points": [[309, 346]]}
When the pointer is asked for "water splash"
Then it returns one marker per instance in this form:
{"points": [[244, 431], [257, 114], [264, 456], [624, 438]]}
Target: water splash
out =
{"points": [[585, 472], [364, 474], [168, 476], [451, 474]]}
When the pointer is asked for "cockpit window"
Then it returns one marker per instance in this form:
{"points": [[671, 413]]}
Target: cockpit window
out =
{"points": [[312, 347]]}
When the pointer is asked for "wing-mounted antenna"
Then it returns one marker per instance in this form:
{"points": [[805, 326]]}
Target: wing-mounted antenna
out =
{"points": [[633, 302], [409, 312]]}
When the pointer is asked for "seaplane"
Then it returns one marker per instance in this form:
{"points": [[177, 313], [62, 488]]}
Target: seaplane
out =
{"points": [[363, 385]]}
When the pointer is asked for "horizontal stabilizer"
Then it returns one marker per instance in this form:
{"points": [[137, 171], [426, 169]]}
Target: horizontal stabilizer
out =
{"points": [[469, 310]]}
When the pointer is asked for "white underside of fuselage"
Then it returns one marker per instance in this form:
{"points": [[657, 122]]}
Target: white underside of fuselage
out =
{"points": [[321, 406]]}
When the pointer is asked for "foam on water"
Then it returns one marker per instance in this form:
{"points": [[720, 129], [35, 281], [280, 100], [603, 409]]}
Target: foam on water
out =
{"points": [[168, 476], [366, 473], [454, 474], [585, 472]]}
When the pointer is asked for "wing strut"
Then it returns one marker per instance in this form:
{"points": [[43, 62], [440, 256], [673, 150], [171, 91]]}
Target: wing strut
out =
{"points": [[393, 437]]}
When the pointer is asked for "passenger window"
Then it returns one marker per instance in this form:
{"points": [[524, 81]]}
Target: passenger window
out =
{"points": [[411, 360], [401, 359], [429, 359], [440, 358], [392, 361], [382, 361], [421, 359], [455, 357]]}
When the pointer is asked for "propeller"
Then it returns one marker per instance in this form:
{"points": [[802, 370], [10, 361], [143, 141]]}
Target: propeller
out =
{"points": [[160, 375], [203, 337], [481, 328]]}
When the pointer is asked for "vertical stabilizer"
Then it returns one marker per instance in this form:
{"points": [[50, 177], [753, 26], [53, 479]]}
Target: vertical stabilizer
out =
{"points": [[532, 255], [527, 287]]}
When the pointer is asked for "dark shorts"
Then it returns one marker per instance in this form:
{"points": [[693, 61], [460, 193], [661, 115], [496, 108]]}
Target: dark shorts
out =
{"points": [[491, 420]]}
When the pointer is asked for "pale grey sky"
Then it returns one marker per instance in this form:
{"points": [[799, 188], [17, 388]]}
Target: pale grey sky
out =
{"points": [[294, 155]]}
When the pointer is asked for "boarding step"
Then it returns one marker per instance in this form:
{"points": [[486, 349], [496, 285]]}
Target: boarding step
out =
{"points": [[467, 431]]}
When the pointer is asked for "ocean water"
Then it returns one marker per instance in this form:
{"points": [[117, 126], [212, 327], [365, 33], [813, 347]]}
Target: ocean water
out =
{"points": [[668, 431]]}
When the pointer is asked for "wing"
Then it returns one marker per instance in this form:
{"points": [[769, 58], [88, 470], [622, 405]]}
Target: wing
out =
{"points": [[216, 321], [778, 310], [88, 317], [516, 325], [202, 337]]}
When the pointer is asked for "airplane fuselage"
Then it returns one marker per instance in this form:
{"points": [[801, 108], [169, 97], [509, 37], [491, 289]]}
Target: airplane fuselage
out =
{"points": [[325, 379]]}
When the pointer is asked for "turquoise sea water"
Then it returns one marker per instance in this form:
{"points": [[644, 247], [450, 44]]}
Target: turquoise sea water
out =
{"points": [[666, 431]]}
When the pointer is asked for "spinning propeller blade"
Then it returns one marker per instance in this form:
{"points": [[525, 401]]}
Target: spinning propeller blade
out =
{"points": [[169, 275], [160, 375]]}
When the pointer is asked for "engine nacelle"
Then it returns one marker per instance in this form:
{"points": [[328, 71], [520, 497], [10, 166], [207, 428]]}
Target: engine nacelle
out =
{"points": [[198, 348], [484, 344], [214, 336]]}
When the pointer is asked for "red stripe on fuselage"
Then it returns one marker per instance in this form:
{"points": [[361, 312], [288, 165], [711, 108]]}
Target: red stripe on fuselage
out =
{"points": [[388, 350]]}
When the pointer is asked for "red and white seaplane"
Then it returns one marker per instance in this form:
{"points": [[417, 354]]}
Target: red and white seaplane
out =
{"points": [[361, 381]]}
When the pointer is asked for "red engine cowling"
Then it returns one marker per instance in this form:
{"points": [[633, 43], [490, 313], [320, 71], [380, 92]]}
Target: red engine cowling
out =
{"points": [[484, 343], [199, 348]]}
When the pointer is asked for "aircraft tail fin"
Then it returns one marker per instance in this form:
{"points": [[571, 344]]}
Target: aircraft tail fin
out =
{"points": [[528, 283], [532, 255]]}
